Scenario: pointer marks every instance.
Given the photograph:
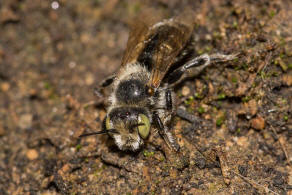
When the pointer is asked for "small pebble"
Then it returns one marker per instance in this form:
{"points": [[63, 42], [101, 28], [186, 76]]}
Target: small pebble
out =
{"points": [[7, 14], [243, 170], [5, 86], [32, 154], [243, 142], [290, 178], [289, 130], [258, 123], [89, 80], [2, 131], [201, 163], [185, 91], [252, 107], [25, 121], [287, 79], [278, 180]]}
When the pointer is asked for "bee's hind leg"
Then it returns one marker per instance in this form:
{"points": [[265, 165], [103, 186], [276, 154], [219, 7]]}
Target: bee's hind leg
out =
{"points": [[196, 65]]}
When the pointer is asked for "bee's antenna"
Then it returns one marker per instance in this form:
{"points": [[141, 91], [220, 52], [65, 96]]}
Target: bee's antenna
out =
{"points": [[136, 125], [99, 132]]}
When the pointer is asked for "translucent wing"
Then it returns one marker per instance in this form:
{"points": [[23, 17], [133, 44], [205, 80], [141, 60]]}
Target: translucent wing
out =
{"points": [[139, 34], [172, 35], [155, 43]]}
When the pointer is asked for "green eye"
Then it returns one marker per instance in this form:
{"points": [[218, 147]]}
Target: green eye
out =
{"points": [[143, 129], [108, 124]]}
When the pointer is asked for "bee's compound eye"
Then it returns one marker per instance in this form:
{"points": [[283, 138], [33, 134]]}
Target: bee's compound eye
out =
{"points": [[108, 123], [145, 128]]}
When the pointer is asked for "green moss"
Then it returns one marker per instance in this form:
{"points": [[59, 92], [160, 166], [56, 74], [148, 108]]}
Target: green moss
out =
{"points": [[238, 130], [220, 121], [208, 49], [272, 13], [235, 60], [190, 109], [47, 85], [235, 24], [221, 96], [240, 66], [234, 80], [134, 8], [98, 171], [263, 75], [245, 66], [246, 98], [201, 110], [284, 101], [282, 55], [161, 159], [275, 74], [189, 101], [200, 51], [147, 154], [78, 147], [198, 96], [286, 118], [217, 35]]}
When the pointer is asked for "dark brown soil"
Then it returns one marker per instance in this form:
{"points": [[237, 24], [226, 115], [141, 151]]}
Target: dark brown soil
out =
{"points": [[53, 54]]}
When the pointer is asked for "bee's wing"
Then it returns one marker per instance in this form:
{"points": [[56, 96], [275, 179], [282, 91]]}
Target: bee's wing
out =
{"points": [[139, 34], [155, 44], [172, 35]]}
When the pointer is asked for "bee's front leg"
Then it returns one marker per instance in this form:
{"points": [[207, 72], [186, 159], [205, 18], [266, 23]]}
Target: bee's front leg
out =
{"points": [[196, 65], [104, 83], [165, 133], [168, 100], [98, 91]]}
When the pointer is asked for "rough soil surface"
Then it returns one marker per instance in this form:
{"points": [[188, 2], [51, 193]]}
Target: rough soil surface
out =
{"points": [[53, 54]]}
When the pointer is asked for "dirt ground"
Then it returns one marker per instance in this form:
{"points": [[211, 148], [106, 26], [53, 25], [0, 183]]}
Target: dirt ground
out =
{"points": [[53, 54]]}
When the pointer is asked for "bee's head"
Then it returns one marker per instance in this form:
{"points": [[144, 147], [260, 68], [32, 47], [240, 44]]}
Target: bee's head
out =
{"points": [[128, 127]]}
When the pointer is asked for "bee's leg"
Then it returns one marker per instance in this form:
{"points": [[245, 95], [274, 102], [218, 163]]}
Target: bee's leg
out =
{"points": [[182, 113], [98, 91], [165, 133], [108, 81], [168, 100], [195, 66]]}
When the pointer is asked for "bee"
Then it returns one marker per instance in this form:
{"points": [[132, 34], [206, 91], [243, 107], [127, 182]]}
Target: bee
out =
{"points": [[158, 56]]}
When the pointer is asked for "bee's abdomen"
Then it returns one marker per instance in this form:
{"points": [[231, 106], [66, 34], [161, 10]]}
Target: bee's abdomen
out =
{"points": [[131, 91]]}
